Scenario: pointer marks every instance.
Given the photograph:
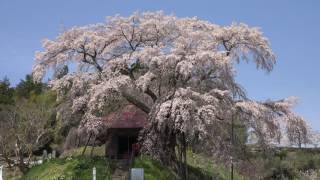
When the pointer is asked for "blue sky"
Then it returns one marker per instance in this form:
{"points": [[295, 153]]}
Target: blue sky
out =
{"points": [[292, 26]]}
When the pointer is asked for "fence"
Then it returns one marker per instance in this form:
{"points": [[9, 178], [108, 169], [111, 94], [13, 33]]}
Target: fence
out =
{"points": [[134, 173], [1, 167]]}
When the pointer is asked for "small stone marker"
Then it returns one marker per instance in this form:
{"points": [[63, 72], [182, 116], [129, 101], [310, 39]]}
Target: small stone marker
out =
{"points": [[44, 155], [1, 167], [94, 173], [50, 156], [137, 174], [54, 154]]}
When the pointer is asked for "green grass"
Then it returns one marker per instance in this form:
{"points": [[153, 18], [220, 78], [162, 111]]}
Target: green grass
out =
{"points": [[199, 168], [202, 168], [77, 167], [97, 151], [153, 169]]}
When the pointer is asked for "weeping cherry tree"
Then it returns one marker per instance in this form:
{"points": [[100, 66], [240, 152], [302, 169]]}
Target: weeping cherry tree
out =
{"points": [[180, 71]]}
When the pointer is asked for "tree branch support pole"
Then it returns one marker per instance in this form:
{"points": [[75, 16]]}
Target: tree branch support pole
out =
{"points": [[232, 139], [184, 151], [182, 155], [85, 147]]}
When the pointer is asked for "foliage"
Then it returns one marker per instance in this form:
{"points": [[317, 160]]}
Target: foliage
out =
{"points": [[26, 127], [284, 163], [281, 170], [28, 87], [6, 92]]}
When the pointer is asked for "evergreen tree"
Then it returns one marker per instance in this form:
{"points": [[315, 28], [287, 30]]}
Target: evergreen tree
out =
{"points": [[28, 87], [6, 92]]}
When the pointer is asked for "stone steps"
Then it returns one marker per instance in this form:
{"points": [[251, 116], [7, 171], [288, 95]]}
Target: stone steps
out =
{"points": [[121, 171]]}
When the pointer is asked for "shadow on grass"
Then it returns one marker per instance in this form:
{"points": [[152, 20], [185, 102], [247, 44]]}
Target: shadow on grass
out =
{"points": [[198, 174], [155, 171]]}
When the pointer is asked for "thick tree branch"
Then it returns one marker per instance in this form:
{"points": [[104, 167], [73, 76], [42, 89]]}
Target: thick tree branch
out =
{"points": [[151, 94], [136, 102], [93, 58]]}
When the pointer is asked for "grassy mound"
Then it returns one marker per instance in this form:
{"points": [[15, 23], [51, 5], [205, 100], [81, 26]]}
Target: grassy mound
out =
{"points": [[74, 166], [68, 168], [287, 163]]}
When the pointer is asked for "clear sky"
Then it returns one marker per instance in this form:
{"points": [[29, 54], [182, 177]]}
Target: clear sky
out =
{"points": [[292, 26]]}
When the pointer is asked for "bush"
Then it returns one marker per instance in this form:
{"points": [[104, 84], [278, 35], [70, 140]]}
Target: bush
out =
{"points": [[281, 170]]}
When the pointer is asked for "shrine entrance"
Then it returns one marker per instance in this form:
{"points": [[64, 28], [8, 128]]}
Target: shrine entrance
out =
{"points": [[125, 146]]}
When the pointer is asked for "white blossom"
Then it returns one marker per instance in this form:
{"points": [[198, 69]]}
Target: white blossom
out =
{"points": [[144, 81]]}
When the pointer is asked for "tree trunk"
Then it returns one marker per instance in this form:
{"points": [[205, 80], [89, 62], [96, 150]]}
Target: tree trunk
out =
{"points": [[161, 143], [78, 139], [19, 154], [179, 159], [184, 170], [299, 140]]}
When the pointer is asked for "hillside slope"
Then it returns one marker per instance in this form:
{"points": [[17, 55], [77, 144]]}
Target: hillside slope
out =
{"points": [[75, 166]]}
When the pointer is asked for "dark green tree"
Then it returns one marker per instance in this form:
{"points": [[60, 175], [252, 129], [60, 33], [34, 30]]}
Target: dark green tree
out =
{"points": [[6, 92], [28, 87]]}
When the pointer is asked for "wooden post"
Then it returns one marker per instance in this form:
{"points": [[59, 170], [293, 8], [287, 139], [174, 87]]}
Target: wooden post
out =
{"points": [[232, 139], [54, 154], [1, 167], [94, 173], [184, 157], [44, 155], [128, 147]]}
